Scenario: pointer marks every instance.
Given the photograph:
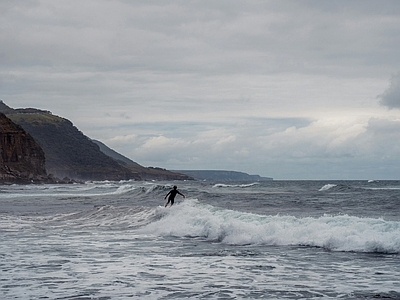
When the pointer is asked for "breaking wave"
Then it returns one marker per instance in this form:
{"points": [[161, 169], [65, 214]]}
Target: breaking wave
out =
{"points": [[327, 187], [223, 185], [335, 233], [192, 219], [75, 190]]}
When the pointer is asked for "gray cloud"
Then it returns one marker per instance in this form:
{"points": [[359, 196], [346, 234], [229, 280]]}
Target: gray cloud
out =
{"points": [[391, 97], [280, 88]]}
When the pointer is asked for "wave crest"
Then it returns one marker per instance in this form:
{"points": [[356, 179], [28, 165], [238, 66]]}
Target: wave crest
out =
{"points": [[327, 187], [335, 233], [223, 185]]}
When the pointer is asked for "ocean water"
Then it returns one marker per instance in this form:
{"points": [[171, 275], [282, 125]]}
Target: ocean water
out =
{"points": [[261, 240]]}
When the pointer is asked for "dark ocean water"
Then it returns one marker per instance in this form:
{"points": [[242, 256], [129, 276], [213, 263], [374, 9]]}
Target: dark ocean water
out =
{"points": [[261, 240]]}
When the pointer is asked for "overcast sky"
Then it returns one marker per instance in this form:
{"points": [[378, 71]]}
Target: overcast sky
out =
{"points": [[286, 89]]}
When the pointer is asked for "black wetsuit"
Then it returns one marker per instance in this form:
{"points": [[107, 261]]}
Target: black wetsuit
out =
{"points": [[172, 194]]}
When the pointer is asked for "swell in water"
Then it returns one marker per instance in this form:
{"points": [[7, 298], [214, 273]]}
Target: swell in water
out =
{"points": [[191, 219]]}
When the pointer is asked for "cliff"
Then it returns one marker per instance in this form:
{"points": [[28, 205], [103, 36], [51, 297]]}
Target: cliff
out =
{"points": [[69, 153], [22, 160]]}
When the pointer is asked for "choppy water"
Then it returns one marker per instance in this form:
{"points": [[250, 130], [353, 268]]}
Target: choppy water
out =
{"points": [[269, 240]]}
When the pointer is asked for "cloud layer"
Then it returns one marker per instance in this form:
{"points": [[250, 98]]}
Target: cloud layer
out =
{"points": [[391, 97], [287, 89]]}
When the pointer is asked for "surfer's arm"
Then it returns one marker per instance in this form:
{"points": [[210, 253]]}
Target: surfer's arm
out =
{"points": [[181, 194], [167, 195]]}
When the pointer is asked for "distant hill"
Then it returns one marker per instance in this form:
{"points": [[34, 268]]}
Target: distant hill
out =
{"points": [[213, 175], [69, 153]]}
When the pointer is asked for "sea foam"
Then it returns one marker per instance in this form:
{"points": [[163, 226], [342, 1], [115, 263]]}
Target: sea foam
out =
{"points": [[224, 185], [327, 187], [336, 233]]}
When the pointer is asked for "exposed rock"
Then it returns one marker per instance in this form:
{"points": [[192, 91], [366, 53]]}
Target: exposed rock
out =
{"points": [[69, 153], [22, 160]]}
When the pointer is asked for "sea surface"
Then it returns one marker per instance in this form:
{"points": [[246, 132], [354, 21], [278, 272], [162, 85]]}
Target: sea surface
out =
{"points": [[247, 240]]}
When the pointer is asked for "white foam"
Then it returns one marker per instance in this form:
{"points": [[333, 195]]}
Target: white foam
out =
{"points": [[223, 185], [327, 187], [337, 233], [83, 190]]}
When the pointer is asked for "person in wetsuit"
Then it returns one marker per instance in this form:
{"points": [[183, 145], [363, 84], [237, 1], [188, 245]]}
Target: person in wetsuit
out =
{"points": [[172, 194]]}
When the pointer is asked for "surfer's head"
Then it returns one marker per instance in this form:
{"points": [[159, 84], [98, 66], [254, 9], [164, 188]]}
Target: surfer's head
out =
{"points": [[175, 187]]}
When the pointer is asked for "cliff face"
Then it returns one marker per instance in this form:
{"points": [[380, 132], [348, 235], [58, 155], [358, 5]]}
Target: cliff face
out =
{"points": [[69, 153], [21, 158]]}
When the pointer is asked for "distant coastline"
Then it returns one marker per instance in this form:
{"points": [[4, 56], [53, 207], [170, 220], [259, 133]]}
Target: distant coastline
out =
{"points": [[222, 175]]}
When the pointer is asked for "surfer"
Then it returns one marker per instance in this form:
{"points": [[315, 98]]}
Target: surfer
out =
{"points": [[172, 194]]}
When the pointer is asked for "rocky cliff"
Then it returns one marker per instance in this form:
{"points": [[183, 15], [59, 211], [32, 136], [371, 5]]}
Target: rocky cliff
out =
{"points": [[22, 160], [69, 153]]}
